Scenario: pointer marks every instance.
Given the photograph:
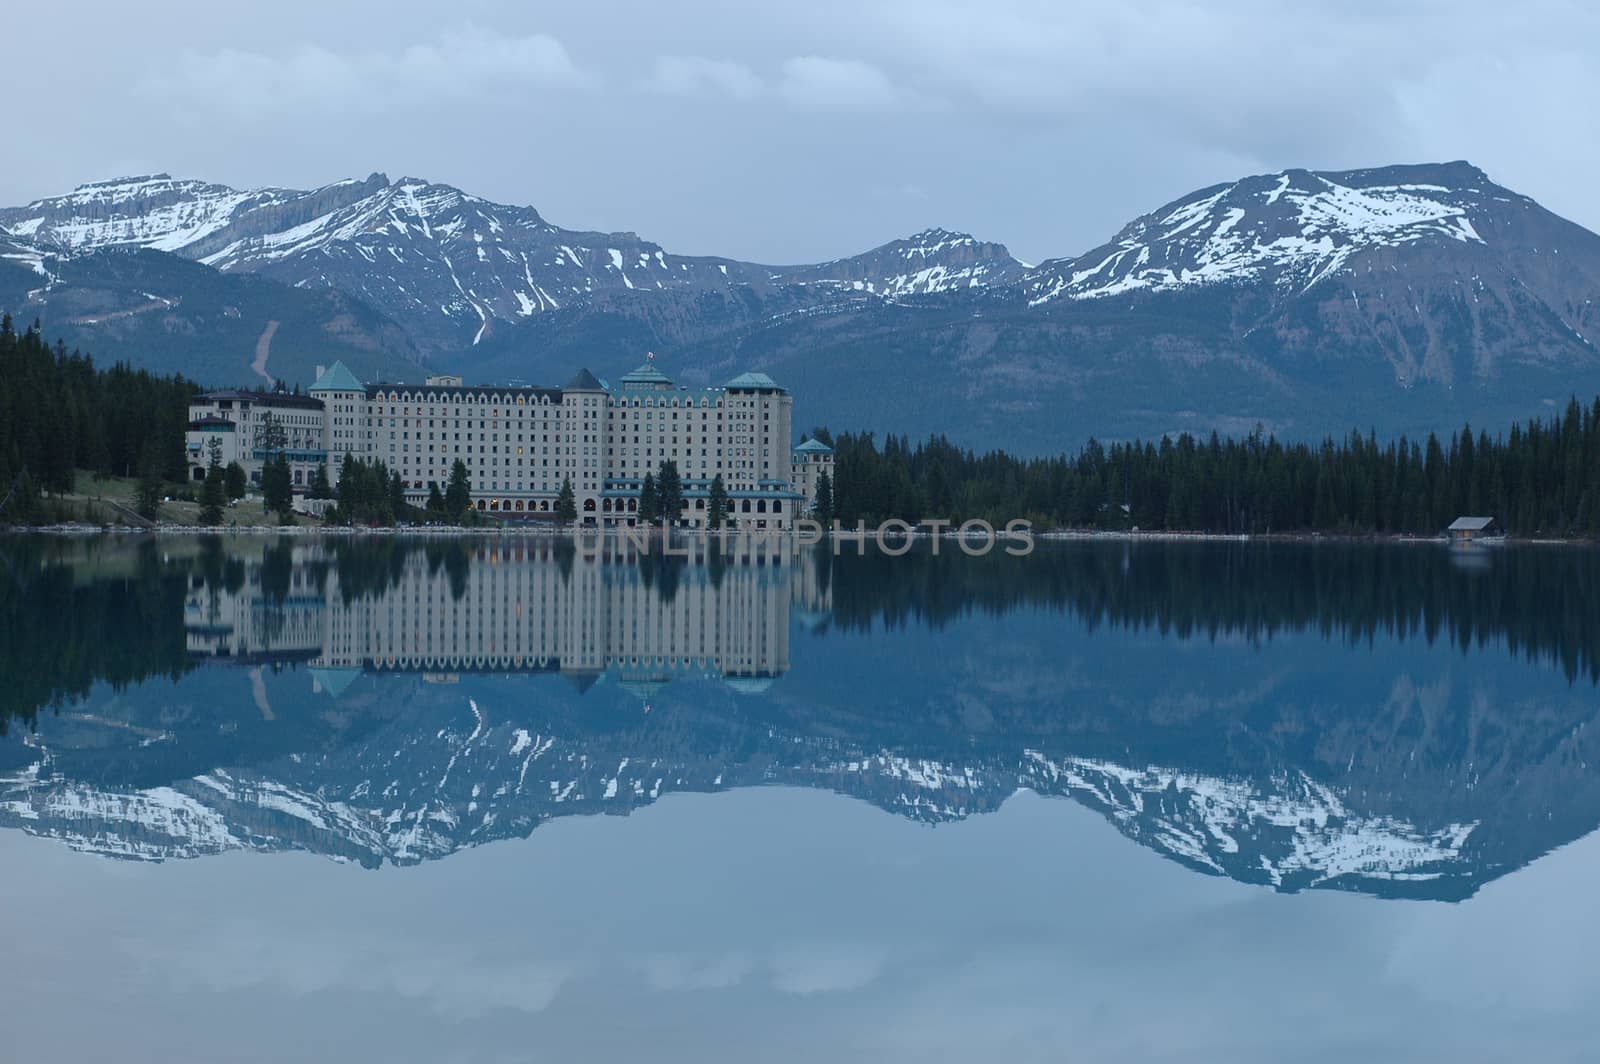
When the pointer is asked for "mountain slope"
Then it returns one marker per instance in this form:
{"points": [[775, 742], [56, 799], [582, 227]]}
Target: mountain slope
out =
{"points": [[1400, 299], [171, 315], [449, 266]]}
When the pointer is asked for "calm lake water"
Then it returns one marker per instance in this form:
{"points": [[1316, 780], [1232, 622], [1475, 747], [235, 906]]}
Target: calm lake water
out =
{"points": [[503, 800]]}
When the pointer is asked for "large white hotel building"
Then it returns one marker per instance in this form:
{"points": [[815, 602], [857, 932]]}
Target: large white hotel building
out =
{"points": [[520, 444]]}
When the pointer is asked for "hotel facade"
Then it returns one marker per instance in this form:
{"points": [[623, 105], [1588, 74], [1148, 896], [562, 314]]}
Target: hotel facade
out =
{"points": [[520, 444]]}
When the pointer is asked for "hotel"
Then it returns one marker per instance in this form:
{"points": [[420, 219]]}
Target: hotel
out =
{"points": [[520, 444]]}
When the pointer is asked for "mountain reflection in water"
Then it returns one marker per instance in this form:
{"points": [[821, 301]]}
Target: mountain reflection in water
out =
{"points": [[1374, 718]]}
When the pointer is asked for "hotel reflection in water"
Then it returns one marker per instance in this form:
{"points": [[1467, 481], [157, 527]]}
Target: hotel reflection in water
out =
{"points": [[529, 605]]}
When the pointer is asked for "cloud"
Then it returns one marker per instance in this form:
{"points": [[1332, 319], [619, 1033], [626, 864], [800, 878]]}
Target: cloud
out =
{"points": [[805, 82], [826, 968], [815, 81], [692, 75], [665, 971], [463, 63]]}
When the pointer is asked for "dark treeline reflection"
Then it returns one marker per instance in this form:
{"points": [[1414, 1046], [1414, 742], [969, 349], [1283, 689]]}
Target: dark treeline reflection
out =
{"points": [[1539, 602], [74, 613], [69, 622]]}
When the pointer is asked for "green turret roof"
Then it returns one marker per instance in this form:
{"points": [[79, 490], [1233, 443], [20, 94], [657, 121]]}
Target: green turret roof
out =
{"points": [[338, 378], [809, 446], [752, 380]]}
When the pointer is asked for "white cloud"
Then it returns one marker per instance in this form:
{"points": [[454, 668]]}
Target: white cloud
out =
{"points": [[805, 82], [692, 75], [845, 84], [463, 63]]}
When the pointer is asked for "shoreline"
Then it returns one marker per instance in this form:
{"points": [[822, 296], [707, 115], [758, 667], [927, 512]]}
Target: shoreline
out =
{"points": [[81, 529]]}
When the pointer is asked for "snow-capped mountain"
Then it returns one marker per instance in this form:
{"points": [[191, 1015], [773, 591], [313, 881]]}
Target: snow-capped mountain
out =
{"points": [[1290, 229], [1401, 299], [934, 260], [448, 265]]}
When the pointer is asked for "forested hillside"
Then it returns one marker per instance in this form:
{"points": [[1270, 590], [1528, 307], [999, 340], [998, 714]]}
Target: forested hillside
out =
{"points": [[60, 413]]}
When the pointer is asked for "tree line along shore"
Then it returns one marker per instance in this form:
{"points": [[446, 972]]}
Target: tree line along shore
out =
{"points": [[106, 445]]}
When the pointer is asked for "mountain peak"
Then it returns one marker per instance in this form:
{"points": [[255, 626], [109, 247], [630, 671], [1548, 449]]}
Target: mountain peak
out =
{"points": [[932, 260], [1294, 227], [938, 235], [129, 179]]}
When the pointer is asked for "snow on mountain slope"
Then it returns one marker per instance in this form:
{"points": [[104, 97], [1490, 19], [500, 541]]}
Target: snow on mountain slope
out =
{"points": [[447, 265], [153, 211], [934, 260], [1290, 229]]}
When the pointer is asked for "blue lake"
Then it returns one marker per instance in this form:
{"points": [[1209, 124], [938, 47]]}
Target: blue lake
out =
{"points": [[505, 799]]}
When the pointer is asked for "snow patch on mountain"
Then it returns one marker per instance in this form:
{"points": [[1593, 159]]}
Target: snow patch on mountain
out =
{"points": [[1292, 228]]}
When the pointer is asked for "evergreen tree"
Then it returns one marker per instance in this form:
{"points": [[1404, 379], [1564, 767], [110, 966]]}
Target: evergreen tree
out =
{"points": [[435, 505], [458, 493], [717, 504], [566, 503], [320, 488], [649, 501], [822, 509], [147, 498], [669, 494], [214, 493], [234, 480], [397, 494], [277, 488], [271, 436]]}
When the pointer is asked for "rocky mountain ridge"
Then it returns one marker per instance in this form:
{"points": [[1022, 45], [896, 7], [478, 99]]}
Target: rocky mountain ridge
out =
{"points": [[1401, 299], [450, 265]]}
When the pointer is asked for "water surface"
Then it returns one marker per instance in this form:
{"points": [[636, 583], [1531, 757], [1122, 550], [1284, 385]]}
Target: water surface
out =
{"points": [[503, 799]]}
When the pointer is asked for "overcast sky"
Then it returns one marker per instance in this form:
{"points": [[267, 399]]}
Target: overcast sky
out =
{"points": [[799, 132]]}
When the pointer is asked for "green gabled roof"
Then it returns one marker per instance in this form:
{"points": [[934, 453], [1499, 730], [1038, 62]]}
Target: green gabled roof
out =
{"points": [[810, 446], [752, 380], [338, 378], [585, 382]]}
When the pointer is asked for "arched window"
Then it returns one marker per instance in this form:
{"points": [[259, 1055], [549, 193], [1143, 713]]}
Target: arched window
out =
{"points": [[588, 506], [633, 504], [761, 506], [519, 506], [605, 505]]}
